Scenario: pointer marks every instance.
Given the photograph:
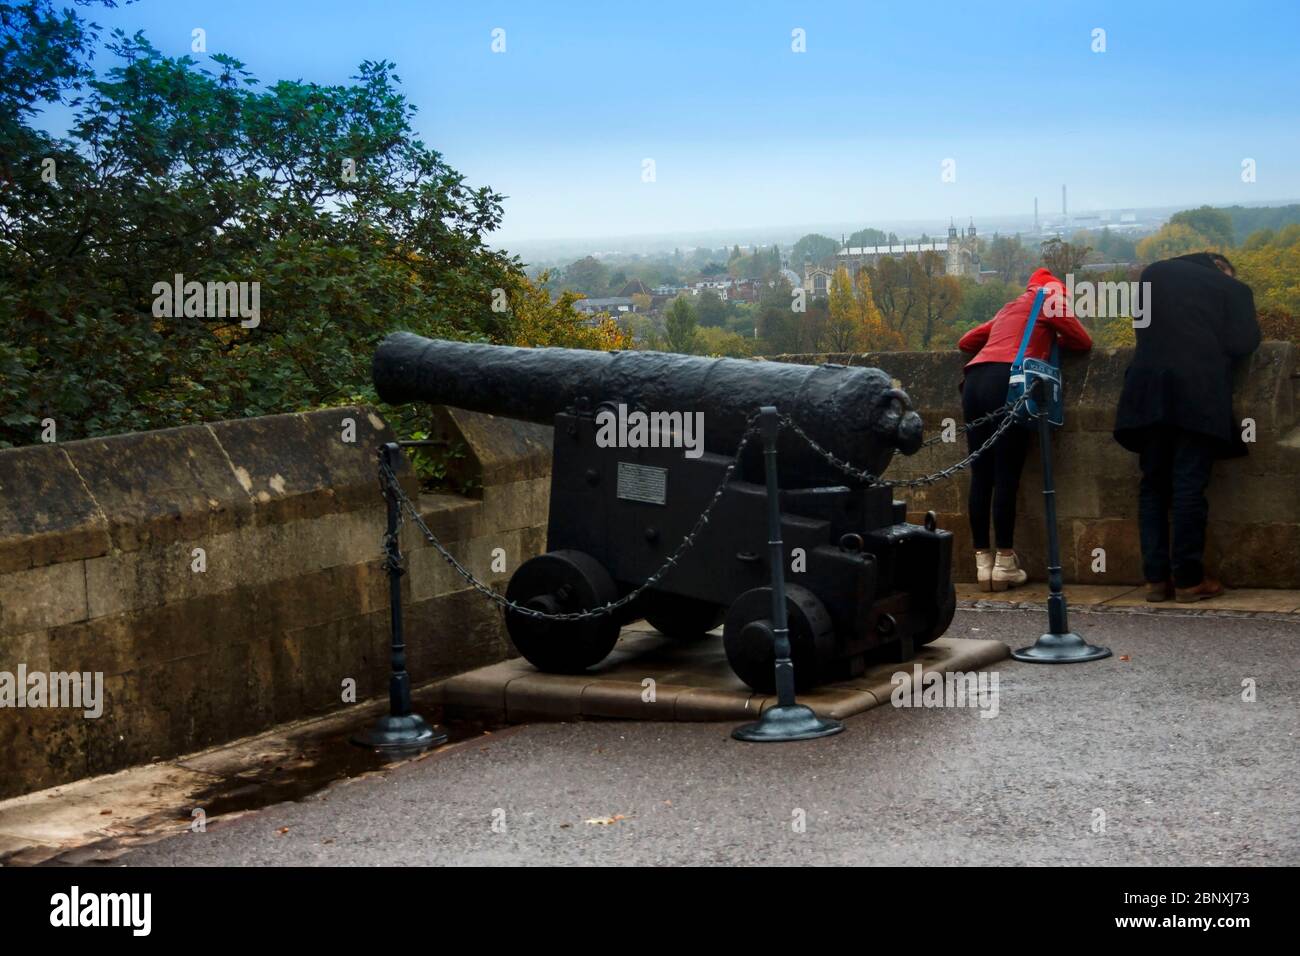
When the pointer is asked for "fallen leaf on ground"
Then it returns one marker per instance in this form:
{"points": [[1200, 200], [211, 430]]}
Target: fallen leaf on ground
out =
{"points": [[282, 831], [1124, 657], [606, 821]]}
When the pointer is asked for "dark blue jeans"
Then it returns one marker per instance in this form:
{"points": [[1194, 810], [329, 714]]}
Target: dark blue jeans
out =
{"points": [[1176, 468]]}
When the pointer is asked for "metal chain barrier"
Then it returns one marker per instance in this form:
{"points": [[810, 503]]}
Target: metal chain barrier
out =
{"points": [[386, 476], [962, 429], [389, 484], [1009, 410]]}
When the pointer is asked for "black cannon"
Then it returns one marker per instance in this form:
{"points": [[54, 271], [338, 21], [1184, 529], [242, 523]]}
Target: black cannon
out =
{"points": [[626, 488]]}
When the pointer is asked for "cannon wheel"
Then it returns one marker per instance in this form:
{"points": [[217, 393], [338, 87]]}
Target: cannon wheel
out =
{"points": [[562, 582], [682, 618], [943, 614], [749, 649]]}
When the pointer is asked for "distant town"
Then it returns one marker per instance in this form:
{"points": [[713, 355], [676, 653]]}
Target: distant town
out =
{"points": [[872, 288]]}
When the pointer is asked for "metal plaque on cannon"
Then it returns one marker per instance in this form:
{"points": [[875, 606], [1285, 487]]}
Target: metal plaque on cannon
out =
{"points": [[642, 483]]}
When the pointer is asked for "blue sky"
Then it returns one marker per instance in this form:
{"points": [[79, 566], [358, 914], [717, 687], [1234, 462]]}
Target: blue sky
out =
{"points": [[744, 132]]}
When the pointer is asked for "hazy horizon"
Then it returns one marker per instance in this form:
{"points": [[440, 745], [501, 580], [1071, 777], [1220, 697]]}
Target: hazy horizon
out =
{"points": [[649, 243]]}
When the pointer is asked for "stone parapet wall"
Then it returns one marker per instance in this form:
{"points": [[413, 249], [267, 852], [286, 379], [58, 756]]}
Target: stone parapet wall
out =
{"points": [[98, 574]]}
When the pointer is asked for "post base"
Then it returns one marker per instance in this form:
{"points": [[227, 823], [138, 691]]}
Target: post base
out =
{"points": [[396, 734], [795, 722], [1060, 649]]}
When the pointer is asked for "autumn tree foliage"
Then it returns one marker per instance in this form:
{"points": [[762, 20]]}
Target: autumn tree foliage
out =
{"points": [[842, 332], [535, 319], [1269, 262], [916, 300], [1175, 239], [855, 323]]}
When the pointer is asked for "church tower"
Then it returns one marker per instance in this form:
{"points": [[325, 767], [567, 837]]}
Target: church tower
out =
{"points": [[963, 257], [952, 265]]}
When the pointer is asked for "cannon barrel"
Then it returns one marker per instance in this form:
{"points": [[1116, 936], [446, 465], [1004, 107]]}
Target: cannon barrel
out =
{"points": [[855, 413]]}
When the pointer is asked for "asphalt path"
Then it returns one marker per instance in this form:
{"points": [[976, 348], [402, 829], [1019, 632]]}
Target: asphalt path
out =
{"points": [[1150, 757]]}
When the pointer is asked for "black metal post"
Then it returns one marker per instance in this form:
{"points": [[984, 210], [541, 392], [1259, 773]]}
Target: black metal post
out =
{"points": [[788, 720], [1059, 645], [400, 729]]}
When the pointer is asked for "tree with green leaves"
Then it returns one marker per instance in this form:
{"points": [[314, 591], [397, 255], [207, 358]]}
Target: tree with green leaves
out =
{"points": [[710, 309], [588, 275], [868, 237], [680, 326], [1214, 224], [320, 194], [1115, 246], [812, 246], [721, 343], [777, 323], [980, 301]]}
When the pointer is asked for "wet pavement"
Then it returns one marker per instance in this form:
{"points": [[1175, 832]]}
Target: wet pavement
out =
{"points": [[96, 820], [1150, 757]]}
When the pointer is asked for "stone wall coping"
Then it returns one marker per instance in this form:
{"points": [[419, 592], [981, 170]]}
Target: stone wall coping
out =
{"points": [[87, 498], [1264, 387]]}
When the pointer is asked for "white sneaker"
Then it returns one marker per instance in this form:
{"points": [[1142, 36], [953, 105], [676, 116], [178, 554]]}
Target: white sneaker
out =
{"points": [[984, 569], [1007, 572]]}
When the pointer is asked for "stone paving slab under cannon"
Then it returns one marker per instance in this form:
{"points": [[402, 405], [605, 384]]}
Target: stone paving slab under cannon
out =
{"points": [[692, 682]]}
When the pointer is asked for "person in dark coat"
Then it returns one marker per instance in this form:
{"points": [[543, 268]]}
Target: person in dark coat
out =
{"points": [[1176, 411]]}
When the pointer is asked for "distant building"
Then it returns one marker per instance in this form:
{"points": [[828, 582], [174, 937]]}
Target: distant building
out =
{"points": [[634, 287], [614, 305], [960, 252], [817, 280]]}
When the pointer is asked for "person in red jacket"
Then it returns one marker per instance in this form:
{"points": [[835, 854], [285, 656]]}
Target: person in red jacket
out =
{"points": [[995, 475]]}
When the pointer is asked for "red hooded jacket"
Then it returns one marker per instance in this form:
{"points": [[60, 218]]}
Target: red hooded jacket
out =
{"points": [[998, 339]]}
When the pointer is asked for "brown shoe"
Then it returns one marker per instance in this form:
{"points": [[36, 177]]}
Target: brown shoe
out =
{"points": [[1158, 591], [1208, 588]]}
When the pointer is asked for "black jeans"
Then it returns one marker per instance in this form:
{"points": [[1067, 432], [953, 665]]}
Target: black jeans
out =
{"points": [[1175, 472], [995, 475]]}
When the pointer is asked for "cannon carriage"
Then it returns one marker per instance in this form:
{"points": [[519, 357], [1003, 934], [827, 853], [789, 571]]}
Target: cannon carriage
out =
{"points": [[862, 581]]}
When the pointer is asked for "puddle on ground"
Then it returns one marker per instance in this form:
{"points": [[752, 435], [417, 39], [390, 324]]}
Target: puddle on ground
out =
{"points": [[310, 763], [305, 763]]}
